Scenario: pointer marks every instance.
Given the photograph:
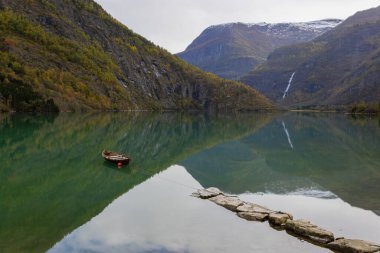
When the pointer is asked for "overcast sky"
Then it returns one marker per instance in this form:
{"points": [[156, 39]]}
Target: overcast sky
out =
{"points": [[174, 24]]}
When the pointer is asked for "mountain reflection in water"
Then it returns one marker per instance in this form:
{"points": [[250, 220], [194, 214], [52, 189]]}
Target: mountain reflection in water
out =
{"points": [[335, 154], [53, 180]]}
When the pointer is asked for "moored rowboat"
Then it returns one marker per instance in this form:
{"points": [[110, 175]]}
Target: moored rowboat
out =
{"points": [[115, 157]]}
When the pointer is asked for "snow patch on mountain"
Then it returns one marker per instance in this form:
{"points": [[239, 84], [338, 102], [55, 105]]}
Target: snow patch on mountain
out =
{"points": [[278, 29], [306, 26], [284, 29]]}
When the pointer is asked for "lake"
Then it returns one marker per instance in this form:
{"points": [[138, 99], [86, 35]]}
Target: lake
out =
{"points": [[58, 195]]}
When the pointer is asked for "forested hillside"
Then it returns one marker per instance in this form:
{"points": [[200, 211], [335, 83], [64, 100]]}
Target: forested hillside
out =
{"points": [[72, 55]]}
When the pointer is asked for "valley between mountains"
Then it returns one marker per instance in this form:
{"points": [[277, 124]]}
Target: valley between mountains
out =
{"points": [[314, 65]]}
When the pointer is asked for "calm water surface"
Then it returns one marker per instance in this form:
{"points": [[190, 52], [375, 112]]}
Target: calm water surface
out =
{"points": [[58, 195]]}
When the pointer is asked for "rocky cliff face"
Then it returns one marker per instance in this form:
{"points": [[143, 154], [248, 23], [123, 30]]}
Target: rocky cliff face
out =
{"points": [[340, 67], [232, 50], [75, 54]]}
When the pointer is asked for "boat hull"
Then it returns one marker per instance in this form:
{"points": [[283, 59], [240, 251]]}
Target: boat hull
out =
{"points": [[115, 157]]}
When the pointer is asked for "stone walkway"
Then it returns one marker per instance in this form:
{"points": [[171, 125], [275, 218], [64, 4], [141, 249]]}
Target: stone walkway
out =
{"points": [[284, 221]]}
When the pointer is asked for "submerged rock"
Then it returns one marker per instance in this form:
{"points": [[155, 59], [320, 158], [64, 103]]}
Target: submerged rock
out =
{"points": [[207, 193], [353, 246], [279, 218], [251, 216], [231, 203], [253, 208], [309, 231]]}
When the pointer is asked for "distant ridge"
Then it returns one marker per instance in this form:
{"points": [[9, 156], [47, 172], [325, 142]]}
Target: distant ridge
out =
{"points": [[338, 68], [233, 49]]}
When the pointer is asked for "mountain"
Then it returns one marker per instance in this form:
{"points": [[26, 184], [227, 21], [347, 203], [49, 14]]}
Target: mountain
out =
{"points": [[232, 50], [72, 55], [339, 67]]}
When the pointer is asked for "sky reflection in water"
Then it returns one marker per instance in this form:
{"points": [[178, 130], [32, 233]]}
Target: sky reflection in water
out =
{"points": [[160, 216], [324, 168]]}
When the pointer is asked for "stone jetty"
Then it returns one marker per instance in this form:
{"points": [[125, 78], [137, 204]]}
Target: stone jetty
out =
{"points": [[284, 221]]}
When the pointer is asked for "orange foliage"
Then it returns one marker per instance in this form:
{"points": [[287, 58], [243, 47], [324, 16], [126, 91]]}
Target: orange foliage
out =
{"points": [[10, 43]]}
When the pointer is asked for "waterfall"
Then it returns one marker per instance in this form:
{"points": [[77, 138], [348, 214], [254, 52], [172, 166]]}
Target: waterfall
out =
{"points": [[287, 88], [287, 134]]}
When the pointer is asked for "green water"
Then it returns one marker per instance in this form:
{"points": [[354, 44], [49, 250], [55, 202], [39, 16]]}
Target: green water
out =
{"points": [[53, 180], [330, 152]]}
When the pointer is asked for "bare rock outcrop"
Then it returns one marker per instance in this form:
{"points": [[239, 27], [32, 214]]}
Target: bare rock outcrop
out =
{"points": [[279, 218], [353, 246], [253, 208], [251, 216], [309, 231], [207, 193], [231, 203]]}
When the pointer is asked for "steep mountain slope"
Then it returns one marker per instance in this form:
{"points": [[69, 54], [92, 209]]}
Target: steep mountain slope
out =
{"points": [[74, 55], [232, 50], [338, 68]]}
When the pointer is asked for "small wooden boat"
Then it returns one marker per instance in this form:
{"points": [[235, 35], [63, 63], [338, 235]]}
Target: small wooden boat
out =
{"points": [[115, 157]]}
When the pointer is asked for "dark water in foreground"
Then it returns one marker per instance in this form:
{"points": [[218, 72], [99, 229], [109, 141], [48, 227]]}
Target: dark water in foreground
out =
{"points": [[58, 195]]}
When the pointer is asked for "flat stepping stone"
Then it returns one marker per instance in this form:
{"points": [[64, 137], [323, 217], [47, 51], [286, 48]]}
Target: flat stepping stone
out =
{"points": [[353, 246], [207, 193], [253, 216], [231, 203], [279, 218], [253, 208], [309, 231]]}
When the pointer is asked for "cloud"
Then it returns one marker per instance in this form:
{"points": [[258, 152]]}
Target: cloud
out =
{"points": [[173, 24]]}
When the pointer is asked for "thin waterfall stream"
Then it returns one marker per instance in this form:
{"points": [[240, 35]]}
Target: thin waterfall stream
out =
{"points": [[288, 87]]}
